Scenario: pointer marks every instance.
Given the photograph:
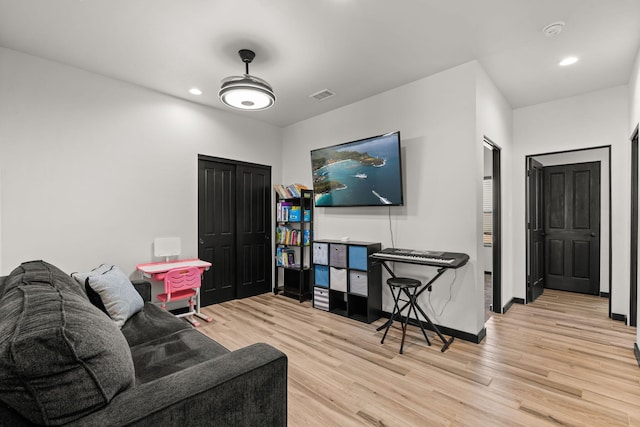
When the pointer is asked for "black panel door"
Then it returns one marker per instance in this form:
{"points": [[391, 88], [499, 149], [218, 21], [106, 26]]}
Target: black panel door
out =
{"points": [[253, 205], [233, 228], [217, 229], [536, 276], [572, 227]]}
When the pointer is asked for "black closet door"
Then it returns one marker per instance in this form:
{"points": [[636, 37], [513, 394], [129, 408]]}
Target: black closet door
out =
{"points": [[253, 231], [234, 232]]}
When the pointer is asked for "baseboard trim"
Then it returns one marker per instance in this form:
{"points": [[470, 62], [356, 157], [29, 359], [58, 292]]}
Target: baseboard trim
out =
{"points": [[604, 294], [636, 351], [510, 303], [466, 336], [620, 317]]}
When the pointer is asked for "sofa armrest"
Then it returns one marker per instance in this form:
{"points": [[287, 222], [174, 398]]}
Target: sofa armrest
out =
{"points": [[246, 387], [144, 289]]}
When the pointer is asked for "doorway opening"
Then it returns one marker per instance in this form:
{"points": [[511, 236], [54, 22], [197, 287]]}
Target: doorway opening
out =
{"points": [[491, 229], [568, 222], [633, 291]]}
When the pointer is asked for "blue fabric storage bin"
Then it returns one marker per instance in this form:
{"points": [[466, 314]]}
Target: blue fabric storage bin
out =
{"points": [[358, 257], [321, 276]]}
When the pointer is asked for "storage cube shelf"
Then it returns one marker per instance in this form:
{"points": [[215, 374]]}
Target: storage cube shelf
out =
{"points": [[354, 282]]}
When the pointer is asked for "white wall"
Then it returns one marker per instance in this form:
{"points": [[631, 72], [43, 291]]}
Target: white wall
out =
{"points": [[634, 95], [589, 120], [442, 162], [494, 120], [92, 169], [597, 155]]}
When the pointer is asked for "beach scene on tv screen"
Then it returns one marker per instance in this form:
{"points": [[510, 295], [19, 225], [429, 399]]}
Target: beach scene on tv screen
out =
{"points": [[361, 173]]}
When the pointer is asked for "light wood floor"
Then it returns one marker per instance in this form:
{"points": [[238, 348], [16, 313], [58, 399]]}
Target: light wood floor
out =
{"points": [[558, 361]]}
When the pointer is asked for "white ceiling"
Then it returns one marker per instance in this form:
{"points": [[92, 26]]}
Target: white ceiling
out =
{"points": [[356, 48]]}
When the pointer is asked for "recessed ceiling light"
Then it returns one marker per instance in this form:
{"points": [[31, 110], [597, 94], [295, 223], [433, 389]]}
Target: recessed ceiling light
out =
{"points": [[553, 29], [568, 61], [195, 91]]}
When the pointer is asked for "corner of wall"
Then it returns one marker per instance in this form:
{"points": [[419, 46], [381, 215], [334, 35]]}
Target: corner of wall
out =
{"points": [[634, 95]]}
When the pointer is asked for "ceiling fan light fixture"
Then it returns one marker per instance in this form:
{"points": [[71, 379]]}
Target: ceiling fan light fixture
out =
{"points": [[246, 92]]}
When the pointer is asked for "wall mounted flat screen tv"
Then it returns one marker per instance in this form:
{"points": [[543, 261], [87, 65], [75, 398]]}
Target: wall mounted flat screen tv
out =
{"points": [[367, 172]]}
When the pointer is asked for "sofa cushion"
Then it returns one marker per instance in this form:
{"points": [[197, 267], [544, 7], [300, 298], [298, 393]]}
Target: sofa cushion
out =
{"points": [[172, 353], [111, 291], [150, 323], [60, 357]]}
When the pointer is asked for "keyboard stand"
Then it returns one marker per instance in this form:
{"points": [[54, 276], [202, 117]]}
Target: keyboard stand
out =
{"points": [[441, 271]]}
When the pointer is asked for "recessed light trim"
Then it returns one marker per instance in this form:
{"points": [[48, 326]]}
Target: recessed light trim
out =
{"points": [[195, 91], [569, 60], [553, 29]]}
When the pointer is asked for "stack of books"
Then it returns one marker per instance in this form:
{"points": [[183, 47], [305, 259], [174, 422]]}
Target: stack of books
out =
{"points": [[291, 191], [291, 236], [286, 258]]}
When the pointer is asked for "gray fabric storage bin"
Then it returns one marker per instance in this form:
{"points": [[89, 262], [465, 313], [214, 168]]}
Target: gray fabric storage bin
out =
{"points": [[338, 255], [358, 282]]}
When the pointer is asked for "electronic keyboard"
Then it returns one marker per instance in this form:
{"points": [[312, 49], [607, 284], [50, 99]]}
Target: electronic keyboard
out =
{"points": [[432, 258]]}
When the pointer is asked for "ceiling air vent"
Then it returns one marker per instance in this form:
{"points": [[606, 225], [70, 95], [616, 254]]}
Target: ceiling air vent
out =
{"points": [[322, 95]]}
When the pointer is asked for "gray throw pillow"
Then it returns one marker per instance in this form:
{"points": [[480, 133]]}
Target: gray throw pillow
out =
{"points": [[118, 296]]}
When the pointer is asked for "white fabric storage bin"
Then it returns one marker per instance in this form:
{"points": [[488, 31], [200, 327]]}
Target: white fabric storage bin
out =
{"points": [[321, 253], [358, 282], [321, 298], [337, 279]]}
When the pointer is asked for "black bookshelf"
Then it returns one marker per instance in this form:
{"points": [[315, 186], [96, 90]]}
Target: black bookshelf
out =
{"points": [[293, 242]]}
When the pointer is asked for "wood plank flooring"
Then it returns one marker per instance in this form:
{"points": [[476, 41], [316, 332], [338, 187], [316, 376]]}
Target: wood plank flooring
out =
{"points": [[558, 361]]}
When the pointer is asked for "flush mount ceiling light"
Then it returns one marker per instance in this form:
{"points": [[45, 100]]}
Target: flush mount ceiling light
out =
{"points": [[246, 92]]}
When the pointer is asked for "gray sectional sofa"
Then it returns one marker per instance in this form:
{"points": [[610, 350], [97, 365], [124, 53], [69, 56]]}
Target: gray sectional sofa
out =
{"points": [[63, 361]]}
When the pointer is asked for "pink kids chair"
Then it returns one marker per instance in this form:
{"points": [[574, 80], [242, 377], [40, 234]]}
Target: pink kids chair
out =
{"points": [[181, 284]]}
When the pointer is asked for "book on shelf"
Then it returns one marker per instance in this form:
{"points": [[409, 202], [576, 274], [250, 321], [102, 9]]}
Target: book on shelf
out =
{"points": [[294, 214], [282, 211], [289, 236], [289, 191], [286, 258]]}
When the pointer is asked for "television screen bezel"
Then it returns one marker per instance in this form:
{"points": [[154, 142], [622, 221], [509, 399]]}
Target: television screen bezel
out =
{"points": [[357, 141]]}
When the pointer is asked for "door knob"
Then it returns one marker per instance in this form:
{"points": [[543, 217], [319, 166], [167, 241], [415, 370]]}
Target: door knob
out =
{"points": [[201, 240], [593, 234]]}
